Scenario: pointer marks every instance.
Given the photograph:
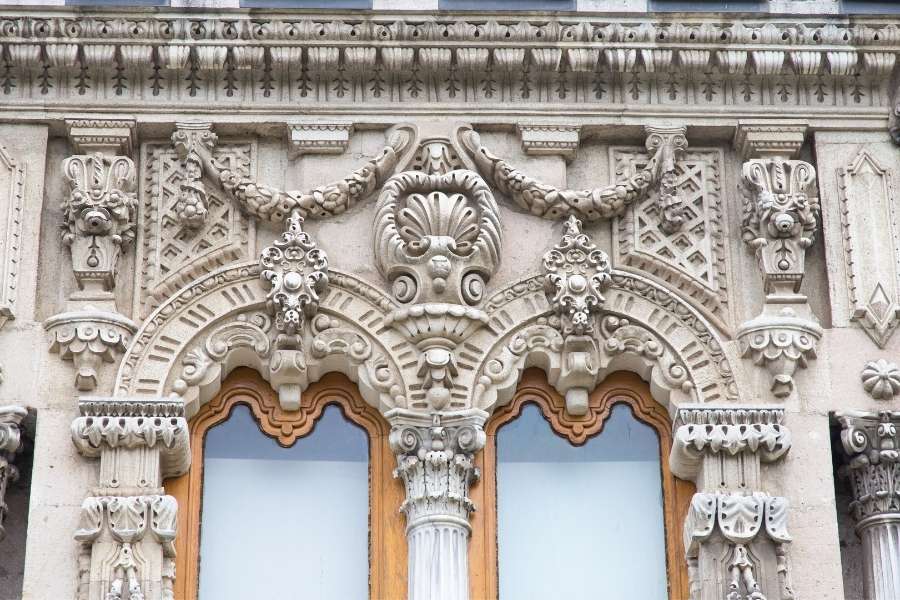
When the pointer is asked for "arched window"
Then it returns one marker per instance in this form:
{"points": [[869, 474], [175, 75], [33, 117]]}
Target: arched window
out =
{"points": [[579, 507], [300, 500]]}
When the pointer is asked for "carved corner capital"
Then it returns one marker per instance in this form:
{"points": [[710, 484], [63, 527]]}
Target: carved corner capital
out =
{"points": [[549, 140], [765, 140], [872, 453], [781, 343], [881, 379], [11, 418], [702, 431], [89, 338], [110, 424], [317, 137], [107, 136]]}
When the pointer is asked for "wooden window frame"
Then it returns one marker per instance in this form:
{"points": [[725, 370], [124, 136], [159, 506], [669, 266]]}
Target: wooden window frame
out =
{"points": [[618, 388], [387, 537]]}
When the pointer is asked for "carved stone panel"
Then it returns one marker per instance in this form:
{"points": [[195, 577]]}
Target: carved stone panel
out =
{"points": [[170, 252], [12, 182], [871, 245], [692, 258]]}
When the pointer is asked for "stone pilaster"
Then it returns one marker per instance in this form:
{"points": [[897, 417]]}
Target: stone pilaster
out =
{"points": [[10, 442], [99, 216], [781, 214], [127, 526], [435, 460], [735, 534], [871, 444]]}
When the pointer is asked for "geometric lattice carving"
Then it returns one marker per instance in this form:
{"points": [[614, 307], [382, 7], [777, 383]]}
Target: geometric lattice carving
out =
{"points": [[692, 258], [871, 247], [171, 253]]}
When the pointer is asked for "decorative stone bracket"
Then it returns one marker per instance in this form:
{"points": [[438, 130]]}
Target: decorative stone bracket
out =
{"points": [[10, 442], [872, 452], [192, 206], [316, 137], [435, 460], [128, 524]]}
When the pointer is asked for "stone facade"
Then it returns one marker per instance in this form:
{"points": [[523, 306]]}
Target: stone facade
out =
{"points": [[430, 204]]}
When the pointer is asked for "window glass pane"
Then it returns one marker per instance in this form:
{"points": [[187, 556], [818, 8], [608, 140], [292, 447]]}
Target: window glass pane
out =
{"points": [[277, 519], [580, 522]]}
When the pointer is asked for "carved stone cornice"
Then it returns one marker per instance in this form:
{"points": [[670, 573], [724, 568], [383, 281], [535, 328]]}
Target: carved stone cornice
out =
{"points": [[10, 442], [175, 54]]}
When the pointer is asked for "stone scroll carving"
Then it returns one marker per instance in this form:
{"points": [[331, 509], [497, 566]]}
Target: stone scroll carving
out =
{"points": [[871, 229], [98, 216]]}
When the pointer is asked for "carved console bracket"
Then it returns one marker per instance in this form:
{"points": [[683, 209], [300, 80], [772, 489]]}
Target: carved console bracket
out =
{"points": [[550, 140], [99, 223], [10, 442], [781, 213], [317, 137], [128, 524], [667, 145], [872, 455], [89, 338]]}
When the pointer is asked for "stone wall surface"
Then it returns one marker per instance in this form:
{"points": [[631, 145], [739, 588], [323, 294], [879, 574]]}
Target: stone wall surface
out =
{"points": [[729, 184]]}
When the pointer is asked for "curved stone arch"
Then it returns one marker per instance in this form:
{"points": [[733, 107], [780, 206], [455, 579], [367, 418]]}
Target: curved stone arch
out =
{"points": [[219, 322], [644, 328]]}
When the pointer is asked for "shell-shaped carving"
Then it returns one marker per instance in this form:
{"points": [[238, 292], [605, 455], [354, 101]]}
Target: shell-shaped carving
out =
{"points": [[438, 214]]}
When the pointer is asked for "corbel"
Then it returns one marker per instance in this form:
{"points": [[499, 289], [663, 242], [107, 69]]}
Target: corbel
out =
{"points": [[549, 139], [318, 137]]}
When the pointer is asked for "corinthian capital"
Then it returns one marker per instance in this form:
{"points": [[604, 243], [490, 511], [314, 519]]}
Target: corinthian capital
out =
{"points": [[873, 455], [780, 219], [98, 215]]}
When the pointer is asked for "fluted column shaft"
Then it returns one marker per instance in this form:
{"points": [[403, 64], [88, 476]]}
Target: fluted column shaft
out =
{"points": [[880, 537]]}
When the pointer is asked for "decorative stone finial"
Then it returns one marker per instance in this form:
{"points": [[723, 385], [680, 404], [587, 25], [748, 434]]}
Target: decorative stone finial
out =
{"points": [[298, 272]]}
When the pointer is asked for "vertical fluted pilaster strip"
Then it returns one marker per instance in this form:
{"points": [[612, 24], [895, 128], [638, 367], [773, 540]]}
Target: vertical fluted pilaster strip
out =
{"points": [[881, 552]]}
